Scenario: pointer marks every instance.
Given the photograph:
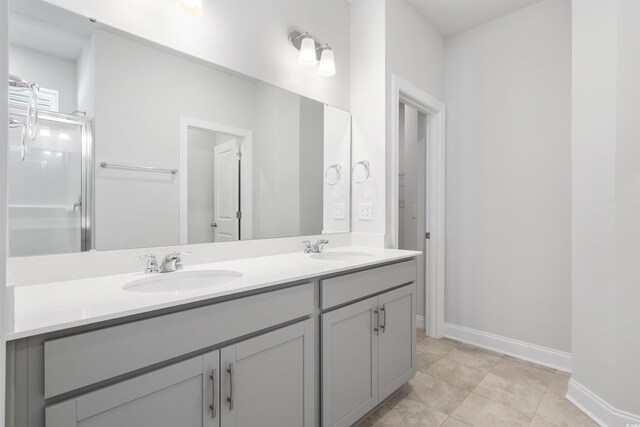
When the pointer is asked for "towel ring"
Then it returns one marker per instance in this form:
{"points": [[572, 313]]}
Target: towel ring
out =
{"points": [[337, 174], [364, 164]]}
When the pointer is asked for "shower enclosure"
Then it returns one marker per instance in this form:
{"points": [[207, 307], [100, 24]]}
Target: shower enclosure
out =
{"points": [[50, 190]]}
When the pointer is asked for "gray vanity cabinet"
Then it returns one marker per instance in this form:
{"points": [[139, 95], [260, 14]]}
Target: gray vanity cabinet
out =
{"points": [[368, 352], [349, 363], [396, 341], [268, 381], [182, 394], [262, 381]]}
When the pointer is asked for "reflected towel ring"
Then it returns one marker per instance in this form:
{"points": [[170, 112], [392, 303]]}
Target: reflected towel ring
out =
{"points": [[336, 175], [366, 171]]}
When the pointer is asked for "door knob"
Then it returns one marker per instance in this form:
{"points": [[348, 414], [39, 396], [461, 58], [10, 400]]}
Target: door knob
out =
{"points": [[214, 225]]}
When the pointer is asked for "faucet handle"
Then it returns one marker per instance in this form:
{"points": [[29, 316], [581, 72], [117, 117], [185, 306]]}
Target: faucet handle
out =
{"points": [[178, 255], [152, 262], [320, 243], [307, 246]]}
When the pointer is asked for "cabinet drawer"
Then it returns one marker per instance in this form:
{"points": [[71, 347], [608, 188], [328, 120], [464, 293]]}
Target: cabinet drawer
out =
{"points": [[342, 289], [84, 359], [179, 394]]}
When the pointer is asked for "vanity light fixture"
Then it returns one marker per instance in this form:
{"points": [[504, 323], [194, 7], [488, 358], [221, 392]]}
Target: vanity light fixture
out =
{"points": [[327, 66], [307, 56], [311, 51], [190, 7]]}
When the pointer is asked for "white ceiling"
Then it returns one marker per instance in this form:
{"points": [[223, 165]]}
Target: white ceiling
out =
{"points": [[451, 17]]}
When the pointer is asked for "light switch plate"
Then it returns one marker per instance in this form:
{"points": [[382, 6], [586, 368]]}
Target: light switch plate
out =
{"points": [[339, 211], [365, 213]]}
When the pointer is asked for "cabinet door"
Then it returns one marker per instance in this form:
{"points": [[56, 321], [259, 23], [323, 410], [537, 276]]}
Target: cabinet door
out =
{"points": [[397, 339], [268, 380], [349, 363], [178, 395]]}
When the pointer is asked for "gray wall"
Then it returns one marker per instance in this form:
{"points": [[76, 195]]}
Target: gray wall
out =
{"points": [[48, 71], [276, 183], [151, 90], [311, 165], [508, 224], [4, 66], [140, 94]]}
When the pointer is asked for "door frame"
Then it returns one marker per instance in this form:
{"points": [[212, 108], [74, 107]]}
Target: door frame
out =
{"points": [[403, 91], [246, 172]]}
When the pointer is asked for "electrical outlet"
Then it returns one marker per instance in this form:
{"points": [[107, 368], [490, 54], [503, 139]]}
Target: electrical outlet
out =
{"points": [[339, 211], [366, 212]]}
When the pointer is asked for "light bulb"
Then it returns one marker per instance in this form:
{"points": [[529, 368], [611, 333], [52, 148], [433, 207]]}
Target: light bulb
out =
{"points": [[307, 57], [190, 7], [327, 66]]}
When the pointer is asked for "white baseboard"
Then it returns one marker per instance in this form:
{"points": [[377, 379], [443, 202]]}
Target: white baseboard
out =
{"points": [[420, 322], [534, 353], [597, 408]]}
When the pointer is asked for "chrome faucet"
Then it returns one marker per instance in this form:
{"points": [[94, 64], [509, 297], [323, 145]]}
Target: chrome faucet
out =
{"points": [[172, 262], [152, 263], [315, 248]]}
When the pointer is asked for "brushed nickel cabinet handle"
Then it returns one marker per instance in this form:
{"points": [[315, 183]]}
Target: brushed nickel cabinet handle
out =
{"points": [[231, 399], [214, 399], [376, 328], [383, 325]]}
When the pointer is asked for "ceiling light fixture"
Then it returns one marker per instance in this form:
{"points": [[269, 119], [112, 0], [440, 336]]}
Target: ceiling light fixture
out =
{"points": [[310, 51], [190, 7]]}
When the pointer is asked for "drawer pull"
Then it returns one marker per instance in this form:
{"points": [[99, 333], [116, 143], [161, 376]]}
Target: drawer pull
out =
{"points": [[376, 327], [214, 399], [231, 398], [383, 325]]}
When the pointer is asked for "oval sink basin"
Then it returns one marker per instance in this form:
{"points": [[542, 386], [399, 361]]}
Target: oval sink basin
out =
{"points": [[342, 256], [181, 282]]}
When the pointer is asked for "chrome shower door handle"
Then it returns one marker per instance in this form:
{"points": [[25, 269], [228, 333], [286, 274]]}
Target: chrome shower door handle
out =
{"points": [[214, 398], [231, 399]]}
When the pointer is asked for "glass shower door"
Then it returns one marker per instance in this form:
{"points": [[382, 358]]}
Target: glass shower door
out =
{"points": [[48, 190]]}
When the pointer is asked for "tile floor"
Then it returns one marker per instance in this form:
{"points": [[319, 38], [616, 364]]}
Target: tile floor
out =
{"points": [[458, 385]]}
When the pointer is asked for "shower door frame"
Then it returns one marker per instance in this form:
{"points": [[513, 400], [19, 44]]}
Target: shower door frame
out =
{"points": [[87, 229]]}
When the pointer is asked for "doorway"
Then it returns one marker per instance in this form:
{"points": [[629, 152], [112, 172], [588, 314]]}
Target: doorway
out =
{"points": [[215, 187], [412, 185], [428, 142]]}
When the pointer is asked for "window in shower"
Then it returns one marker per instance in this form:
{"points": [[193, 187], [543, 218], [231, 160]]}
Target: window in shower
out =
{"points": [[47, 99]]}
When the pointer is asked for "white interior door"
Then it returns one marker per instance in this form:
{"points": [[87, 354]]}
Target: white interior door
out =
{"points": [[226, 190]]}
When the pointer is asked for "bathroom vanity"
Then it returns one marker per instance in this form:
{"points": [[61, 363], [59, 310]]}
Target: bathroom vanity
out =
{"points": [[215, 162], [317, 339]]}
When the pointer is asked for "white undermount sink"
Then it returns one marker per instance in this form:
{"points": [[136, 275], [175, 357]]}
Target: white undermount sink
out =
{"points": [[342, 256], [182, 281]]}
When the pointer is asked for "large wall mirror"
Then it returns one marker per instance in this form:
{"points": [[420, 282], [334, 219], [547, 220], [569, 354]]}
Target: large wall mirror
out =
{"points": [[138, 146]]}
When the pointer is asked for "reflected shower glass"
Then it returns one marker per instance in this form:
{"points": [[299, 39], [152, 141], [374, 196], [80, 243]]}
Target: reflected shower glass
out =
{"points": [[45, 191]]}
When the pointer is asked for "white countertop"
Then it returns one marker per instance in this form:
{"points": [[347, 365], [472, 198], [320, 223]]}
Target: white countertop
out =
{"points": [[56, 306]]}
